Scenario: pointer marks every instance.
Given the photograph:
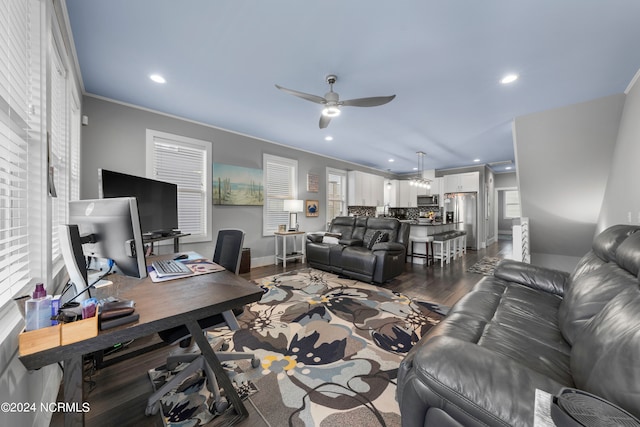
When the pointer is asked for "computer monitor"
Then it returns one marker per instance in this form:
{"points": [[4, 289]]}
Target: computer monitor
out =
{"points": [[157, 200], [102, 228]]}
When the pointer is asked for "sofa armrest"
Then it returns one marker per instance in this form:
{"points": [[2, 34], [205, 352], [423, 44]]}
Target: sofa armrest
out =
{"points": [[315, 237], [351, 242], [545, 279], [388, 246], [474, 385]]}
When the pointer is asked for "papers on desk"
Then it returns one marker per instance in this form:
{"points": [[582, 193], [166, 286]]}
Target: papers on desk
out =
{"points": [[197, 266]]}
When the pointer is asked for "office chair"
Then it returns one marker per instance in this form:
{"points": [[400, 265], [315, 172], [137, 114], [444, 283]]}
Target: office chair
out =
{"points": [[228, 252]]}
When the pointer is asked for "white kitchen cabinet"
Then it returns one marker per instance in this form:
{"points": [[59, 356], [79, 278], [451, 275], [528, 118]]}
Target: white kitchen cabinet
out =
{"points": [[461, 182], [407, 195], [365, 189]]}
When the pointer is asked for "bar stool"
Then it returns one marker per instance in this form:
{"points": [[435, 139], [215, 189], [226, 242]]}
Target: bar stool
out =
{"points": [[428, 255], [462, 242], [441, 248]]}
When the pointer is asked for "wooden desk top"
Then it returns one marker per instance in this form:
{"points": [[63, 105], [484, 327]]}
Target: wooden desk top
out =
{"points": [[160, 306]]}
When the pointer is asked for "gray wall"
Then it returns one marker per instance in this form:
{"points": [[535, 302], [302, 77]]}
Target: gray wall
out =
{"points": [[622, 196], [115, 139], [563, 160]]}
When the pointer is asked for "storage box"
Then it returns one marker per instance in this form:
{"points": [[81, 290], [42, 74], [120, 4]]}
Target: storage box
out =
{"points": [[67, 333], [38, 340], [79, 330]]}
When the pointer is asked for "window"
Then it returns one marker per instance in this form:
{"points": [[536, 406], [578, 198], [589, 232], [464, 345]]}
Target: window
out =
{"points": [[21, 190], [336, 193], [512, 204], [185, 162], [281, 182]]}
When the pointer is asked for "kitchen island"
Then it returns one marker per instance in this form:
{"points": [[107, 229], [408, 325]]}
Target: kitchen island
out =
{"points": [[421, 230]]}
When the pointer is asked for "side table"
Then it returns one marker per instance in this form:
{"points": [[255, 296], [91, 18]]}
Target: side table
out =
{"points": [[283, 256]]}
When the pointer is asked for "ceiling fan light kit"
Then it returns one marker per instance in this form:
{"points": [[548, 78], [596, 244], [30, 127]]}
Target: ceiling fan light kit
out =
{"points": [[332, 103]]}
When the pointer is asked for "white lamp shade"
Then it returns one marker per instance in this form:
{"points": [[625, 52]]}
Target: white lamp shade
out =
{"points": [[293, 205]]}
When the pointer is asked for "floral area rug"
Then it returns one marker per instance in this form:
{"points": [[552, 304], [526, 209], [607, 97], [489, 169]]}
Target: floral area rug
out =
{"points": [[191, 403], [330, 348], [485, 266]]}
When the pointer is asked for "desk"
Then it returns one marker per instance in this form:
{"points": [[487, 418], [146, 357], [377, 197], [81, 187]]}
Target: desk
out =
{"points": [[295, 255], [175, 237], [160, 306]]}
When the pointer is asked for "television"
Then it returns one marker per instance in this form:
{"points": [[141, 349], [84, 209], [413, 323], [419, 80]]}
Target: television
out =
{"points": [[157, 200], [101, 228]]}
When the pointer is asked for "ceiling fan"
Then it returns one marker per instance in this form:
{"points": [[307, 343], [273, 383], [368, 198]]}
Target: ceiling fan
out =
{"points": [[332, 102]]}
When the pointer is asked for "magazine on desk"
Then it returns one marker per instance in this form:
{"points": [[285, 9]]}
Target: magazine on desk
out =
{"points": [[198, 266]]}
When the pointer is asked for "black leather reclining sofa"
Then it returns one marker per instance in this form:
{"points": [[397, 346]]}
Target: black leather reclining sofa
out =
{"points": [[367, 249], [532, 328]]}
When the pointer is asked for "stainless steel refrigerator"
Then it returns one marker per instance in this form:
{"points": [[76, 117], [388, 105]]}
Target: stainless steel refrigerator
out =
{"points": [[464, 207]]}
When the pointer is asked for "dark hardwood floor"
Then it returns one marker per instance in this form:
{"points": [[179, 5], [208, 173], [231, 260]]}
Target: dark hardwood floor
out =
{"points": [[118, 393]]}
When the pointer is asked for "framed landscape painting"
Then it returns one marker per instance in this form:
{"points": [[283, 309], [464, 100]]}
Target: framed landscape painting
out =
{"points": [[237, 185]]}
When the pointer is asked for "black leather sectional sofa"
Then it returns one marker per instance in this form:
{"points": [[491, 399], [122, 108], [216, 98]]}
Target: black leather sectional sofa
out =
{"points": [[532, 328], [349, 249]]}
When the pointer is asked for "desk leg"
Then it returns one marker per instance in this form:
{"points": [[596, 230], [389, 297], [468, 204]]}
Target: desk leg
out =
{"points": [[216, 367], [73, 390], [275, 238]]}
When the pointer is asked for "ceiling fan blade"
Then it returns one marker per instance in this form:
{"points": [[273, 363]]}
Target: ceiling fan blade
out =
{"points": [[374, 101], [324, 121], [313, 98]]}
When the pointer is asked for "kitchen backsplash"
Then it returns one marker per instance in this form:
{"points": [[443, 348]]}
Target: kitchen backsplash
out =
{"points": [[400, 213]]}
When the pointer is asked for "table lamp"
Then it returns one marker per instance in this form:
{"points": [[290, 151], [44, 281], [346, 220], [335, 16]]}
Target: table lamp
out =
{"points": [[293, 207]]}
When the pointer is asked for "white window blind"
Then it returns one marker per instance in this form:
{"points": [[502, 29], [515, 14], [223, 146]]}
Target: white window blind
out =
{"points": [[512, 204], [336, 193], [184, 162], [18, 47], [280, 178], [58, 146]]}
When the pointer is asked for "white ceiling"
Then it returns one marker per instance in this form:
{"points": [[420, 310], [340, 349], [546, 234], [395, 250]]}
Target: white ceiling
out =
{"points": [[443, 60]]}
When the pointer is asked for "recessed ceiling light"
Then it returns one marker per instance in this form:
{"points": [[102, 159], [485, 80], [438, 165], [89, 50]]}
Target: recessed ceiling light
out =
{"points": [[391, 160], [328, 138], [509, 78], [508, 168], [415, 169], [157, 78], [476, 160]]}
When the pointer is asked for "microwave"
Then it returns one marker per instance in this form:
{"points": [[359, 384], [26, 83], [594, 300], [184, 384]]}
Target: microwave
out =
{"points": [[427, 201]]}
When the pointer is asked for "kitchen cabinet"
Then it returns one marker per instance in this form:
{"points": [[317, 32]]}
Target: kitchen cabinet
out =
{"points": [[365, 189], [407, 195], [461, 182]]}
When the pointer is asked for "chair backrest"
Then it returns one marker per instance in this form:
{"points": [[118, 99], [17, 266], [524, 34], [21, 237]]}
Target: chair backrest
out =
{"points": [[228, 250]]}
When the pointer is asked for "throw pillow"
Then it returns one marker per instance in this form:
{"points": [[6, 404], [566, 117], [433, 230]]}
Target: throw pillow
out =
{"points": [[383, 237], [332, 238], [377, 237]]}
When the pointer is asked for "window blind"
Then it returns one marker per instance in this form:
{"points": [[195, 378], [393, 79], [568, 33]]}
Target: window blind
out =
{"points": [[184, 164], [59, 146], [280, 177], [511, 204], [15, 134], [336, 193]]}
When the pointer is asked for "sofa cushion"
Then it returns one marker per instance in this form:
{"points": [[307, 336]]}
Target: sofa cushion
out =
{"points": [[588, 294], [343, 225], [628, 255], [606, 243], [604, 358]]}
